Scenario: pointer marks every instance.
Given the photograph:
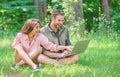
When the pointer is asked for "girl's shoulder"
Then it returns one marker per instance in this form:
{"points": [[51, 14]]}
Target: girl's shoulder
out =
{"points": [[41, 35], [21, 35]]}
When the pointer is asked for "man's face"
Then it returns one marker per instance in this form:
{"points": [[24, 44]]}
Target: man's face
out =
{"points": [[58, 21]]}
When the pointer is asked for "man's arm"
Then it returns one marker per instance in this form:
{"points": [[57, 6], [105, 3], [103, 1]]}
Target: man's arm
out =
{"points": [[52, 54]]}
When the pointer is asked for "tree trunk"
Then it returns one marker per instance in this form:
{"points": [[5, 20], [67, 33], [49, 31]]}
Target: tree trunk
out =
{"points": [[40, 9], [105, 7], [36, 3], [100, 11], [78, 15]]}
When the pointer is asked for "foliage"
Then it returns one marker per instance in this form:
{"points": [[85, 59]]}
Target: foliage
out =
{"points": [[14, 13], [90, 12], [75, 28], [102, 26], [115, 22]]}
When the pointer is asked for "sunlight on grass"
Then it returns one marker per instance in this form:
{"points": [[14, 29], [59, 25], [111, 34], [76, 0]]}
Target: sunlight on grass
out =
{"points": [[5, 42], [104, 44], [1, 71], [99, 60]]}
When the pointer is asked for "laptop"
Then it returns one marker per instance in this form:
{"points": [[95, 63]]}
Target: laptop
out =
{"points": [[80, 47]]}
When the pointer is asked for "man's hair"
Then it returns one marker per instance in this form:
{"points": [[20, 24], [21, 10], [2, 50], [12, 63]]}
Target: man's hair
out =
{"points": [[57, 12]]}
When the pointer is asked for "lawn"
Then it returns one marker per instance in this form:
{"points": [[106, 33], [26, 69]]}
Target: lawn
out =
{"points": [[101, 59]]}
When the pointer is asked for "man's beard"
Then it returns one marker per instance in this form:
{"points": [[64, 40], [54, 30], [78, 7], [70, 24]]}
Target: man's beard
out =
{"points": [[58, 26]]}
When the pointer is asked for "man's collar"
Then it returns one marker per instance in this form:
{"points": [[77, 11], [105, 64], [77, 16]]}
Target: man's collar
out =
{"points": [[51, 30]]}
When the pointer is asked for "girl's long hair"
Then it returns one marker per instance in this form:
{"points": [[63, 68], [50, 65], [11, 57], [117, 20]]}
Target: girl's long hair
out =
{"points": [[29, 25]]}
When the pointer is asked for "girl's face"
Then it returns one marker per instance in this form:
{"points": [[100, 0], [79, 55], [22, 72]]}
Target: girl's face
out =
{"points": [[36, 29]]}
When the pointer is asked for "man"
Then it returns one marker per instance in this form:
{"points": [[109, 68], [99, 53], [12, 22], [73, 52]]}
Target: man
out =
{"points": [[58, 34]]}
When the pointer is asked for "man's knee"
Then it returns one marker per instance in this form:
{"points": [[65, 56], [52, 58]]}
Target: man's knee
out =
{"points": [[76, 58], [41, 58]]}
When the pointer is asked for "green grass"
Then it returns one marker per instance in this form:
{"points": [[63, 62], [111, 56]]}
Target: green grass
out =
{"points": [[101, 59]]}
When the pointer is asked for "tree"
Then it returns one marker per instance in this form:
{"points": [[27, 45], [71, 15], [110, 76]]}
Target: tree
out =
{"points": [[78, 15], [40, 9], [104, 8]]}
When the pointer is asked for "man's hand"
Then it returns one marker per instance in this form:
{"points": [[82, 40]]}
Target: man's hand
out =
{"points": [[69, 48], [65, 53]]}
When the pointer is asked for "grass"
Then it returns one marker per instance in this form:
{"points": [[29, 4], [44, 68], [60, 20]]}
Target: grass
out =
{"points": [[101, 59]]}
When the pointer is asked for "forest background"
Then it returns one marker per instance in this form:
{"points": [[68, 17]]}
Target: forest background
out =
{"points": [[97, 20]]}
